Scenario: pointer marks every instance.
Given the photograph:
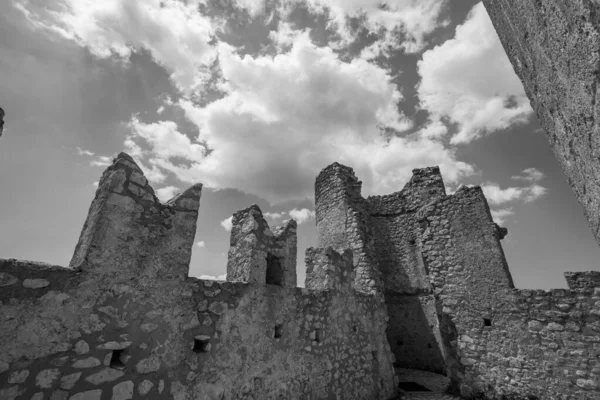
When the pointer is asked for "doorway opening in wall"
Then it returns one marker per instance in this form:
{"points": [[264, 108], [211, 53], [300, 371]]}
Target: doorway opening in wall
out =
{"points": [[274, 270]]}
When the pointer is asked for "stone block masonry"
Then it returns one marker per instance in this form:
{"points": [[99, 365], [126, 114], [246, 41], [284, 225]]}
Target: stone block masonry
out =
{"points": [[125, 321], [415, 279], [554, 47]]}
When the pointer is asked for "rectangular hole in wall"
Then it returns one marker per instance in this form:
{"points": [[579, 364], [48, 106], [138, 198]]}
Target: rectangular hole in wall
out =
{"points": [[202, 344], [274, 271], [487, 322], [118, 359], [278, 332], [318, 335]]}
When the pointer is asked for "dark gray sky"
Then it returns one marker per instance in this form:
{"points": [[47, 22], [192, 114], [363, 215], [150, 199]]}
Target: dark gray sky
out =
{"points": [[253, 99]]}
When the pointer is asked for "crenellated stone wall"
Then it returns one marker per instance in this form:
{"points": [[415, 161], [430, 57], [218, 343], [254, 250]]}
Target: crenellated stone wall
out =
{"points": [[125, 321], [416, 279]]}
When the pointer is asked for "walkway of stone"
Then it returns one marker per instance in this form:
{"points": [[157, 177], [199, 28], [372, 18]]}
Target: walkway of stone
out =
{"points": [[437, 384]]}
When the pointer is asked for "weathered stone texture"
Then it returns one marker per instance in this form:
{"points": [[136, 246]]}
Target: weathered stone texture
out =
{"points": [[583, 280], [125, 320], [417, 279], [259, 256], [554, 47], [343, 222], [326, 269]]}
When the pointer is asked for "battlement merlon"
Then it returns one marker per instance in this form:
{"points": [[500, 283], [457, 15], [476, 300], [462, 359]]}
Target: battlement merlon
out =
{"points": [[129, 231], [286, 239], [257, 255]]}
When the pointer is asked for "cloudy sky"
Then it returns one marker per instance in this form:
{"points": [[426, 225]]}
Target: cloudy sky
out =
{"points": [[253, 98]]}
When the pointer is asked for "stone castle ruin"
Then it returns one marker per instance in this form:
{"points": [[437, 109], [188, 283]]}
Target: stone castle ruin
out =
{"points": [[413, 280], [416, 279]]}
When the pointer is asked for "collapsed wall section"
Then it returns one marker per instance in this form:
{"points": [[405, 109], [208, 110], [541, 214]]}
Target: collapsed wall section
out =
{"points": [[554, 47]]}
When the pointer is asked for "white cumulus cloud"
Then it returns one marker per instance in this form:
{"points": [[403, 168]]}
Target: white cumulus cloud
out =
{"points": [[284, 118], [166, 193], [227, 224], [101, 161], [301, 216], [529, 174], [470, 80], [274, 216], [400, 23], [83, 152], [173, 31], [496, 195], [500, 215]]}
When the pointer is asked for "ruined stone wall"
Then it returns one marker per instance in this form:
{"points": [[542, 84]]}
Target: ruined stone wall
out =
{"points": [[124, 320], [539, 344], [196, 339], [252, 245], [343, 222], [554, 47], [499, 340], [413, 331], [583, 280]]}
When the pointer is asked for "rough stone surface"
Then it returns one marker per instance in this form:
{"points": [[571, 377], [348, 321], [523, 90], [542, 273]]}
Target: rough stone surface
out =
{"points": [[326, 269], [46, 378], [67, 382], [416, 278], [554, 47], [583, 280], [35, 283], [123, 391], [145, 387], [88, 395], [257, 255]]}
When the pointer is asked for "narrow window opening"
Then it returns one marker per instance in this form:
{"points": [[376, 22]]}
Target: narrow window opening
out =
{"points": [[118, 359], [355, 328], [487, 322], [274, 270], [278, 331], [202, 344], [318, 335], [429, 345], [400, 342], [374, 354]]}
